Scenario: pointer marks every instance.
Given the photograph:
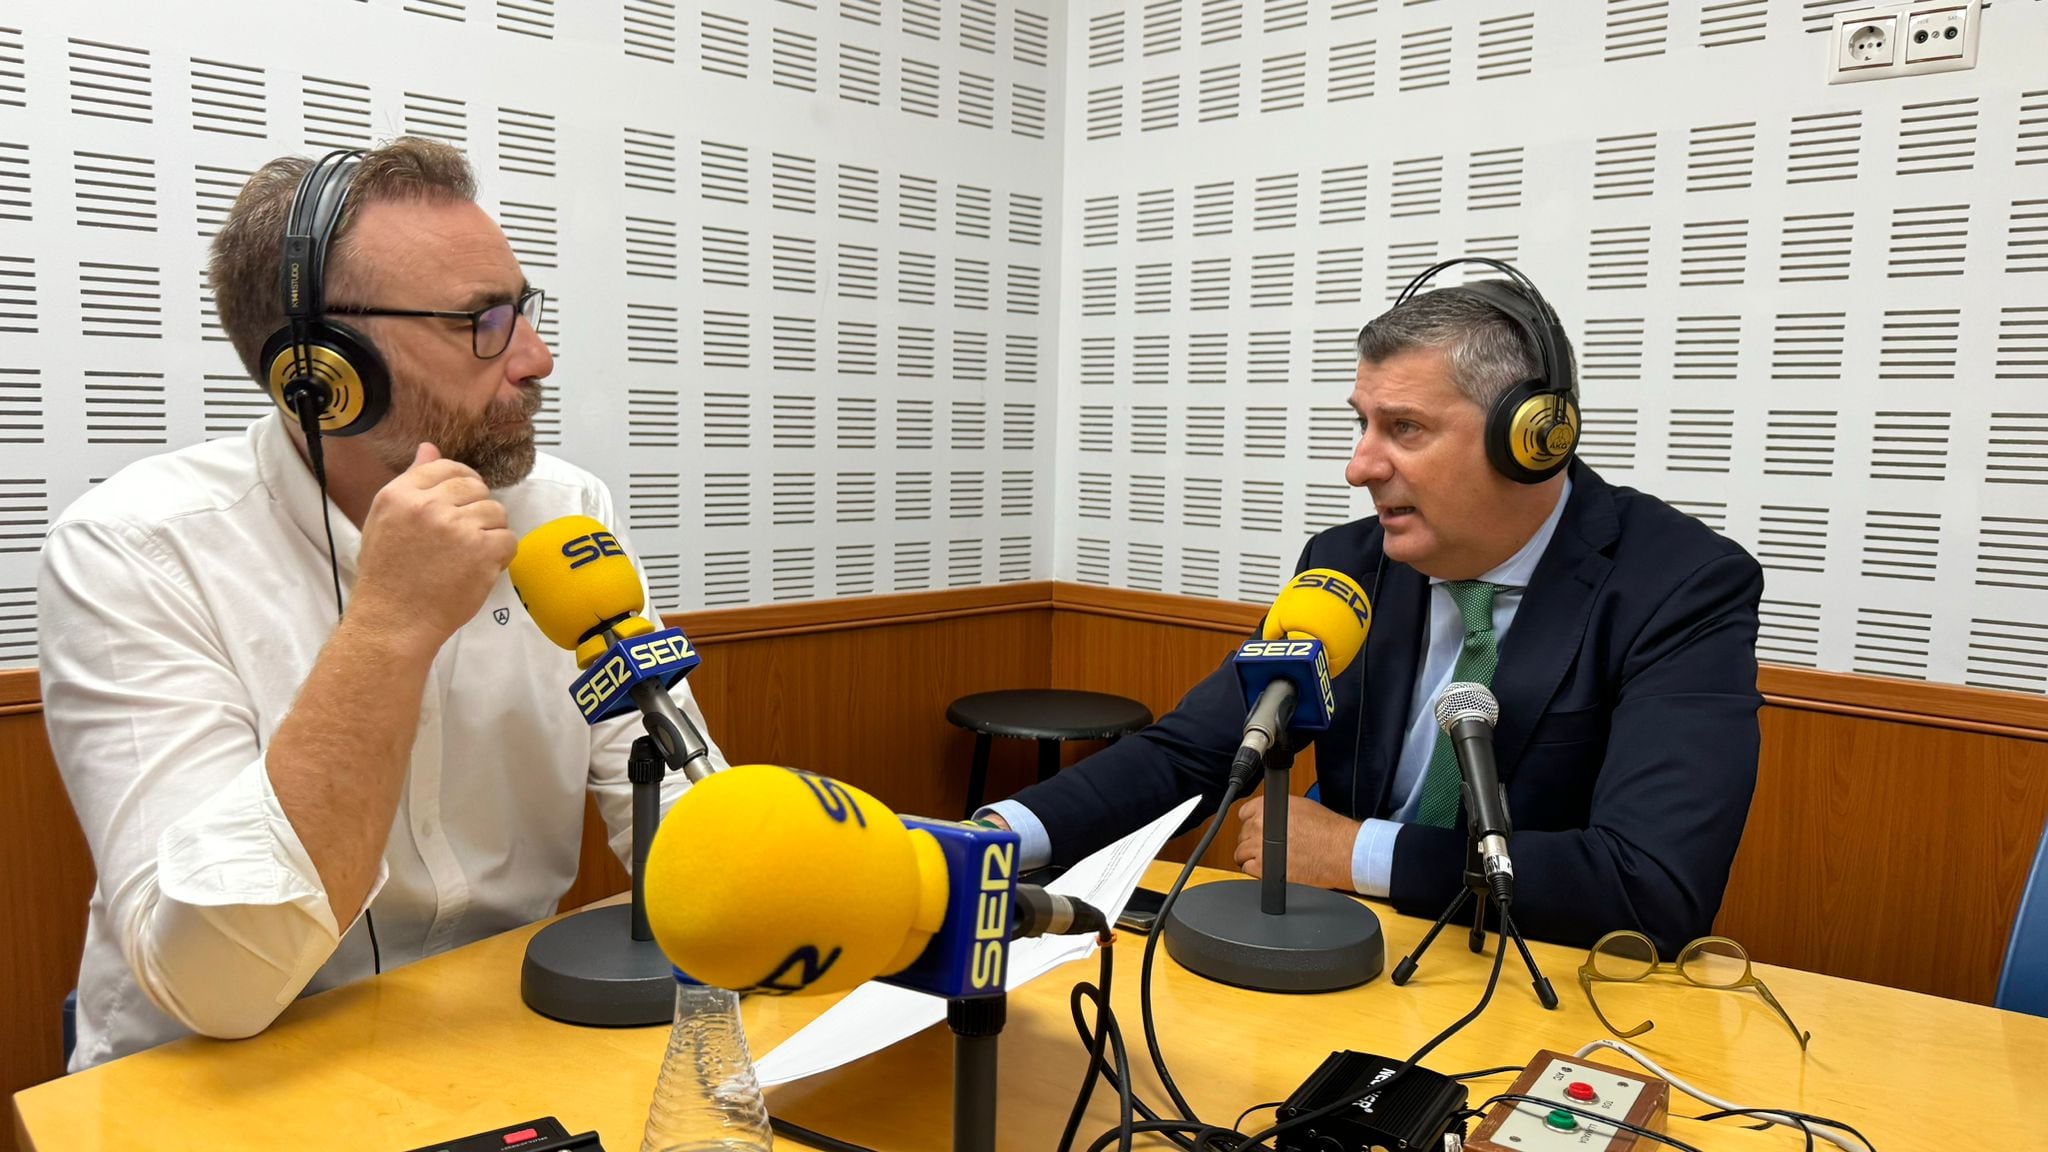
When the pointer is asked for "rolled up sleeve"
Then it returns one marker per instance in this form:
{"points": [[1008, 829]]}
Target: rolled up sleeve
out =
{"points": [[219, 911]]}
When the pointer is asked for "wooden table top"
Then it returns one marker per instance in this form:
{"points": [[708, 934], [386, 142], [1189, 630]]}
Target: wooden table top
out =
{"points": [[444, 1048]]}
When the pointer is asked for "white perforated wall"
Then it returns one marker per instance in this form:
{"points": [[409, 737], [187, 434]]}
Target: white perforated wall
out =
{"points": [[821, 272], [801, 257], [1815, 317]]}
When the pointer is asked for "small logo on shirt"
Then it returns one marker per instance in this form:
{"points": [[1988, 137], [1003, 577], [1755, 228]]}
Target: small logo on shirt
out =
{"points": [[502, 615]]}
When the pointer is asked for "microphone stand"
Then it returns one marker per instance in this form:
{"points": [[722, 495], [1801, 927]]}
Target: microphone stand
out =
{"points": [[601, 966], [579, 970], [977, 1024], [1268, 934], [1482, 895], [977, 1021]]}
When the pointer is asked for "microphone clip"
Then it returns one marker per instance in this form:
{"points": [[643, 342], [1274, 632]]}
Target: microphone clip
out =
{"points": [[645, 763]]}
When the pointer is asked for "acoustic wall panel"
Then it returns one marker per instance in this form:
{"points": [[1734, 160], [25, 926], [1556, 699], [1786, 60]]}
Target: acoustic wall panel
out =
{"points": [[801, 259], [1814, 317]]}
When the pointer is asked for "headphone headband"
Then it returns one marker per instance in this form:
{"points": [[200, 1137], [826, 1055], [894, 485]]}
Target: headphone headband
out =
{"points": [[1527, 308], [309, 230], [1532, 429]]}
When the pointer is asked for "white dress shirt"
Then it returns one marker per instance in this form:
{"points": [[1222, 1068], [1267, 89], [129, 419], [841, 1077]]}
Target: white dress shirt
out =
{"points": [[182, 602]]}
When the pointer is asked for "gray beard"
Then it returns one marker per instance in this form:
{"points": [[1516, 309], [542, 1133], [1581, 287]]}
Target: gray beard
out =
{"points": [[502, 458]]}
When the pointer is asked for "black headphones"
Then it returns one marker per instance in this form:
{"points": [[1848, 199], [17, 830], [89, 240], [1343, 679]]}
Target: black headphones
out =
{"points": [[324, 375], [1533, 428], [327, 378]]}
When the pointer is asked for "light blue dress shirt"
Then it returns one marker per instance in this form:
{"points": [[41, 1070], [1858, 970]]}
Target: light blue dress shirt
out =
{"points": [[1372, 854]]}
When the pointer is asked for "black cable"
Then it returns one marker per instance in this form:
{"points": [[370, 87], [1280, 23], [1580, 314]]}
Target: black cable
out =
{"points": [[1105, 1026], [1094, 1044], [1206, 1134], [1557, 1106], [1194, 859], [1126, 1095], [1122, 1080], [376, 955], [333, 565], [1143, 1127], [1492, 980], [1803, 1119], [1488, 1072], [306, 402], [1106, 1033], [1827, 1122], [1114, 1068], [803, 1135], [1239, 1126]]}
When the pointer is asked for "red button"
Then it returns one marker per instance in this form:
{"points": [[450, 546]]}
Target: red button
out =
{"points": [[521, 1136], [1581, 1091]]}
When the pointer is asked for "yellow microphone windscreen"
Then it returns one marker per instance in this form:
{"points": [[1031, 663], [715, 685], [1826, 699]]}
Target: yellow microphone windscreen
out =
{"points": [[768, 878], [573, 576], [1323, 604]]}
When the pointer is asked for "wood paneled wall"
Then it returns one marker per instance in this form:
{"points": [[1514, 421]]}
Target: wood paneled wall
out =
{"points": [[1890, 838], [1888, 850], [45, 880], [857, 689], [1153, 648], [1892, 829]]}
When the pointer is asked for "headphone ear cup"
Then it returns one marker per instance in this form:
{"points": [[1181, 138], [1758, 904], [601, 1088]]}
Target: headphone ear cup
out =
{"points": [[1532, 432], [354, 387]]}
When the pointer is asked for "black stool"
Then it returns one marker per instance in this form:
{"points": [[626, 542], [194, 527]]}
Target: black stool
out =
{"points": [[1047, 715]]}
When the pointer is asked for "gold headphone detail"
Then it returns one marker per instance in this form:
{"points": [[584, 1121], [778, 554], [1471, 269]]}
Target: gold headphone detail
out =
{"points": [[1543, 431], [344, 388]]}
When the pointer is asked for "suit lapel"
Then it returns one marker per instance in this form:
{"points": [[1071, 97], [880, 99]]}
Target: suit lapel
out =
{"points": [[1550, 625], [1393, 659]]}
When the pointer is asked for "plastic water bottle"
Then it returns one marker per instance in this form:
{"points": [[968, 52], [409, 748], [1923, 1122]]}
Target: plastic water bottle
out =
{"points": [[707, 1099]]}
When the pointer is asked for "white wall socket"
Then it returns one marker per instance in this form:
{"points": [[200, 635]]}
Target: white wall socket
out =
{"points": [[1871, 41], [1909, 39]]}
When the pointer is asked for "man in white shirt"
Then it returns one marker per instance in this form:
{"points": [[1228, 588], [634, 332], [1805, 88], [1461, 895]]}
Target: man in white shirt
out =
{"points": [[254, 777]]}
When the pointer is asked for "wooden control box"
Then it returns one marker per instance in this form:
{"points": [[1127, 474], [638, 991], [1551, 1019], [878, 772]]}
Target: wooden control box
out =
{"points": [[1577, 1087]]}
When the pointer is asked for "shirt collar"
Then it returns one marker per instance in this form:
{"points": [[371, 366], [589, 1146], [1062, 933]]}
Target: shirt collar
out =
{"points": [[1515, 571], [290, 482]]}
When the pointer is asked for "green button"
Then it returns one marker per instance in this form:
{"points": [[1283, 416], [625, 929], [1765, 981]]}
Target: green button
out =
{"points": [[1561, 1120]]}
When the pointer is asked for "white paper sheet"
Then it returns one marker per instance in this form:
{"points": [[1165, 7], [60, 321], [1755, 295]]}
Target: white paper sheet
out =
{"points": [[875, 1015]]}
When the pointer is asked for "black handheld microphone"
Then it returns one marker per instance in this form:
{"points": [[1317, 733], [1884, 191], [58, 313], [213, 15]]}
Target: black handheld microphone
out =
{"points": [[1467, 712]]}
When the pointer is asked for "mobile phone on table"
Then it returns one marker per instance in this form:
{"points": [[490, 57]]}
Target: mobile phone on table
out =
{"points": [[1141, 912]]}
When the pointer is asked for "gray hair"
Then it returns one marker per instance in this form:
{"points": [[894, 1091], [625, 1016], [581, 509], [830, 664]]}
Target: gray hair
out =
{"points": [[1487, 351]]}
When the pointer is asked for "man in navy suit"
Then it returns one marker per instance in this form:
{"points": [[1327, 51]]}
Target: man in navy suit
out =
{"points": [[1618, 634]]}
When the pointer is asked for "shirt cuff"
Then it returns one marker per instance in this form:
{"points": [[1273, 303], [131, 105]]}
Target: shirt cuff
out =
{"points": [[1034, 847], [1372, 858]]}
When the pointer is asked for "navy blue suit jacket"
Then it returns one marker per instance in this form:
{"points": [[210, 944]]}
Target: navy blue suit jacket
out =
{"points": [[1627, 738]]}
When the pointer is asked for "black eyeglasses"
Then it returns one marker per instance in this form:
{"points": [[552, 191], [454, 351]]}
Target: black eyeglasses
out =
{"points": [[490, 329]]}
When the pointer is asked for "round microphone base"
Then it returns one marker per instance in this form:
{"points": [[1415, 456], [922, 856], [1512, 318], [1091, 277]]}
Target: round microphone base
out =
{"points": [[588, 969], [1326, 941]]}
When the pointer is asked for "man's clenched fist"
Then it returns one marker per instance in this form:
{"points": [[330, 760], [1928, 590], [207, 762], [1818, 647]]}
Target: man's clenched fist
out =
{"points": [[434, 544]]}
